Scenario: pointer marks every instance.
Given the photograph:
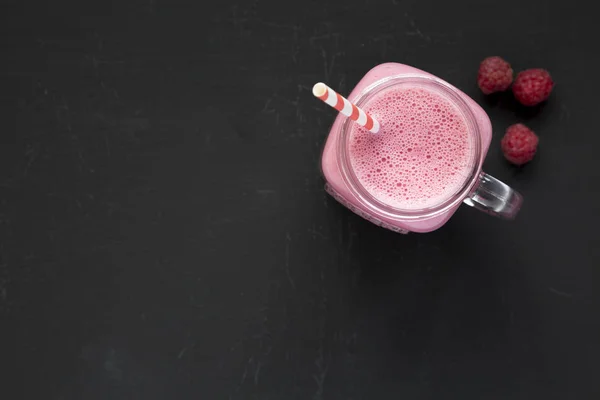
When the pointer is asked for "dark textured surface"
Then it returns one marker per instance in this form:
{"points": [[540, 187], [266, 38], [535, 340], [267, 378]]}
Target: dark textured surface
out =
{"points": [[164, 233]]}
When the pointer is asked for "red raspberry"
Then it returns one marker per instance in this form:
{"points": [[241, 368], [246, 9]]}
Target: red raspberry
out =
{"points": [[519, 144], [533, 86], [495, 75]]}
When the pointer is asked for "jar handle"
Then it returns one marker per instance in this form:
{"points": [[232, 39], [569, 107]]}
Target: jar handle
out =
{"points": [[495, 197]]}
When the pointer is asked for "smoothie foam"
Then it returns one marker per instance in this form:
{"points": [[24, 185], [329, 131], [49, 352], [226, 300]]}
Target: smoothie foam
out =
{"points": [[421, 156]]}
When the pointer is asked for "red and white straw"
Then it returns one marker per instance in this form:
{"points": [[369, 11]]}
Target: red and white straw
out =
{"points": [[340, 103]]}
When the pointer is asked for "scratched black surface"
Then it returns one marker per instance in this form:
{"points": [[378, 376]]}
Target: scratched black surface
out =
{"points": [[164, 232]]}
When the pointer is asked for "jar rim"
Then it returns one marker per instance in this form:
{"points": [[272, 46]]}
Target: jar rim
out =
{"points": [[369, 201]]}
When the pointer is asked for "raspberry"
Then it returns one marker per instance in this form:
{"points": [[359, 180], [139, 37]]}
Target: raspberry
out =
{"points": [[533, 86], [519, 144], [495, 75]]}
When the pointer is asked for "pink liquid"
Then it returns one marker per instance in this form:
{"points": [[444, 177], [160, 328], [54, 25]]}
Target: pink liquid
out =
{"points": [[421, 156]]}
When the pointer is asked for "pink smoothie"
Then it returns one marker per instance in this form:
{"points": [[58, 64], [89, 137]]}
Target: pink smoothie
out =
{"points": [[390, 139], [421, 156]]}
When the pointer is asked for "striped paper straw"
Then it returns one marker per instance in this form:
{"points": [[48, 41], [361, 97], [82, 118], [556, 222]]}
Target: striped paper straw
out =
{"points": [[340, 103]]}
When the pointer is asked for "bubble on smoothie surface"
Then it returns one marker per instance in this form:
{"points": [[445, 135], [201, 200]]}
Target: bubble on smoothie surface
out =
{"points": [[421, 155]]}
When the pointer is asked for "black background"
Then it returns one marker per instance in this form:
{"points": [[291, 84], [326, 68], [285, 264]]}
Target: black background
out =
{"points": [[165, 234]]}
